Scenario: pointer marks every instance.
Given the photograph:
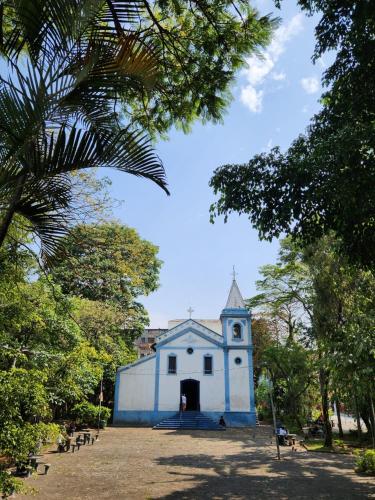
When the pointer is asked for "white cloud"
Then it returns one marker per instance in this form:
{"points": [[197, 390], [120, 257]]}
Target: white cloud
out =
{"points": [[260, 67], [252, 98], [305, 109], [283, 34], [278, 76], [310, 84]]}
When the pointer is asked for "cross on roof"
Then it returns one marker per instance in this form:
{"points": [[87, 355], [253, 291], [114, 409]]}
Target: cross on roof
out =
{"points": [[234, 274], [190, 311]]}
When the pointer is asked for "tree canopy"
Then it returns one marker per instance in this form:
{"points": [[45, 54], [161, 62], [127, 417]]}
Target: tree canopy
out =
{"points": [[332, 345], [88, 82], [324, 181], [63, 335], [108, 262]]}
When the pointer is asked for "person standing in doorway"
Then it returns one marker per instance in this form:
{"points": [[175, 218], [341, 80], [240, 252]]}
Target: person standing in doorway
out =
{"points": [[183, 402]]}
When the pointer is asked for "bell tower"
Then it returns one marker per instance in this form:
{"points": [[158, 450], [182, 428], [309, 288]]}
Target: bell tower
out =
{"points": [[238, 358]]}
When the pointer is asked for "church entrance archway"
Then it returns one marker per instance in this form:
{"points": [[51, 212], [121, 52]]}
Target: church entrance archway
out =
{"points": [[190, 388]]}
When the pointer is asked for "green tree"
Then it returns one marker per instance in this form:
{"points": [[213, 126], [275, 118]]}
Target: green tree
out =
{"points": [[102, 324], [261, 332], [78, 325], [325, 180], [109, 262], [285, 294], [336, 332], [284, 302], [67, 69], [343, 327], [108, 266], [200, 47], [73, 69], [292, 371]]}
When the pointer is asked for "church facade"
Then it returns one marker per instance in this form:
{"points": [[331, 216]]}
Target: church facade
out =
{"points": [[208, 361]]}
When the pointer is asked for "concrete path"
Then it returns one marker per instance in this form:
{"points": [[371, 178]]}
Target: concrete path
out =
{"points": [[140, 464]]}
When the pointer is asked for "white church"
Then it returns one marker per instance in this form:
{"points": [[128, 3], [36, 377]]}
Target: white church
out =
{"points": [[209, 361]]}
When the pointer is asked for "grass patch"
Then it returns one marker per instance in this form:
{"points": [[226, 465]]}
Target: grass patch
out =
{"points": [[339, 446]]}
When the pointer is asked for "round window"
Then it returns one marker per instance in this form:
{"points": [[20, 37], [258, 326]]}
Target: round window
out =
{"points": [[190, 350], [238, 361]]}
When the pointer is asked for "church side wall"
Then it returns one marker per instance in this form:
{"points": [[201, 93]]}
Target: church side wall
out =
{"points": [[239, 385], [136, 387]]}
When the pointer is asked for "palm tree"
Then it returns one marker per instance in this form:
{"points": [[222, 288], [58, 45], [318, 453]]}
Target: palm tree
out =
{"points": [[67, 64]]}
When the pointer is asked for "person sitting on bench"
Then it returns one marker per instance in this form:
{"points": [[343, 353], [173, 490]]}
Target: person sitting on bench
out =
{"points": [[281, 434], [60, 443]]}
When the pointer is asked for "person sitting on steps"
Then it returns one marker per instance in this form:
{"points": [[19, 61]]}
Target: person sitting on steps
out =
{"points": [[222, 421]]}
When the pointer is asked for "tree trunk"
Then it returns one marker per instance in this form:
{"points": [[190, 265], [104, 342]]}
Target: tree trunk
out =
{"points": [[358, 418], [366, 420], [339, 423], [324, 379], [372, 418], [294, 413], [9, 213]]}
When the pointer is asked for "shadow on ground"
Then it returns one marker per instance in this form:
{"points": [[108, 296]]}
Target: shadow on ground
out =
{"points": [[256, 473], [244, 436]]}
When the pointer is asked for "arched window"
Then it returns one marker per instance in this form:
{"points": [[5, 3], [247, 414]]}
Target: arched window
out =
{"points": [[237, 331]]}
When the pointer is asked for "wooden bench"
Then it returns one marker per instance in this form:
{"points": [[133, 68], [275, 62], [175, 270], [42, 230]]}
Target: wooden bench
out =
{"points": [[35, 462]]}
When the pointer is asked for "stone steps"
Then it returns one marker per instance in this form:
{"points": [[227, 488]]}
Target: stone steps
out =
{"points": [[191, 420]]}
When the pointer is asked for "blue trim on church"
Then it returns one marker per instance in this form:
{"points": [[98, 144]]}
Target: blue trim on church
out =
{"points": [[157, 378], [216, 341], [117, 395], [251, 371], [226, 380], [236, 313]]}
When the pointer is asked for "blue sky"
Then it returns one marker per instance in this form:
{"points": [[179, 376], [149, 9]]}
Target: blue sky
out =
{"points": [[274, 100]]}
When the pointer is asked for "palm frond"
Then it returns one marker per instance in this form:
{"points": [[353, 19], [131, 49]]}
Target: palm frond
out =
{"points": [[58, 112], [131, 58], [46, 209], [75, 149]]}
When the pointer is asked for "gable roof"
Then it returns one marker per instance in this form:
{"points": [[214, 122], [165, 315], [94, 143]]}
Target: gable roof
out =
{"points": [[189, 326], [235, 300]]}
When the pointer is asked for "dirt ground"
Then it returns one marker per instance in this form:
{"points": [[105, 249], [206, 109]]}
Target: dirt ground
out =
{"points": [[141, 464]]}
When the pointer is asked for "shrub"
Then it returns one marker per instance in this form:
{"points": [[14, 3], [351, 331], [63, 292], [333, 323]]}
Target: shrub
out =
{"points": [[47, 433], [10, 484], [17, 441], [89, 414], [22, 396], [366, 462]]}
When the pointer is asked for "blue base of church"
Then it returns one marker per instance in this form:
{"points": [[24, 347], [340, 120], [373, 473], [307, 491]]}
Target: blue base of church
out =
{"points": [[145, 418], [151, 418], [240, 419]]}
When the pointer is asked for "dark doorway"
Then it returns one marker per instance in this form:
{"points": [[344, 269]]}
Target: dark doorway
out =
{"points": [[190, 388]]}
